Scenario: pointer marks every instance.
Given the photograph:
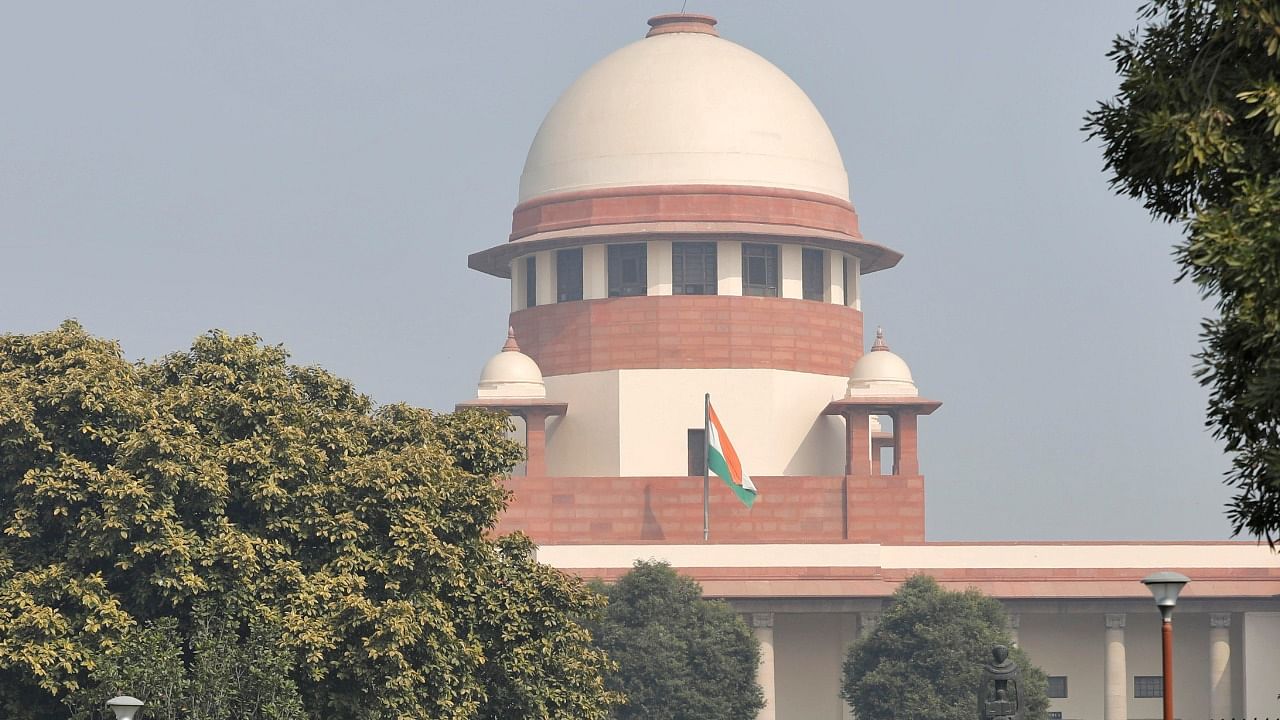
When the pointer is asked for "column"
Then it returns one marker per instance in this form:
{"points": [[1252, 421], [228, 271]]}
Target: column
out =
{"points": [[1015, 620], [867, 622], [857, 446], [595, 272], [729, 267], [535, 443], [1116, 680], [905, 460], [762, 624], [1220, 665]]}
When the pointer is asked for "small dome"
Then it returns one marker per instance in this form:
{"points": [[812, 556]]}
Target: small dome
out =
{"points": [[511, 374], [881, 373], [683, 107]]}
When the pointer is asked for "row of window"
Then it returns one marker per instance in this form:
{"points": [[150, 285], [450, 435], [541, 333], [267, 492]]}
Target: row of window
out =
{"points": [[1144, 686], [693, 271]]}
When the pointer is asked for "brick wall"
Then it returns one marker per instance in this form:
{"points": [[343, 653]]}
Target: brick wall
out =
{"points": [[690, 331], [604, 510]]}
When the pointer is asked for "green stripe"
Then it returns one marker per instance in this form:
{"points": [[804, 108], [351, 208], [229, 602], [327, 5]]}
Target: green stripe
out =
{"points": [[717, 465]]}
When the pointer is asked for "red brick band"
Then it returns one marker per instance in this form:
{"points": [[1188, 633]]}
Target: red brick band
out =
{"points": [[690, 331], [629, 510], [684, 203]]}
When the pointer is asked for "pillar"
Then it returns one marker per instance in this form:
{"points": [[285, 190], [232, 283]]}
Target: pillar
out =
{"points": [[1115, 683], [535, 443], [762, 624], [878, 444], [1015, 620], [867, 622], [857, 445], [1220, 665], [905, 458]]}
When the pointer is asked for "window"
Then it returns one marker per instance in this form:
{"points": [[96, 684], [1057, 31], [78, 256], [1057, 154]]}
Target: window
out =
{"points": [[530, 281], [628, 270], [693, 269], [760, 270], [1057, 686], [1055, 715], [811, 274], [697, 451], [1148, 686], [569, 275]]}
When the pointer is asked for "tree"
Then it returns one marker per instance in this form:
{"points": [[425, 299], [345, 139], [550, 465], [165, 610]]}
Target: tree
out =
{"points": [[1194, 132], [924, 659], [679, 657], [354, 538]]}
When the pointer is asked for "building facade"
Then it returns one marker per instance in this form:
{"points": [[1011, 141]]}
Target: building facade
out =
{"points": [[684, 227]]}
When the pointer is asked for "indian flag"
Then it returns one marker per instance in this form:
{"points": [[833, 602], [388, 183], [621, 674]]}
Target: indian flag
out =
{"points": [[722, 460]]}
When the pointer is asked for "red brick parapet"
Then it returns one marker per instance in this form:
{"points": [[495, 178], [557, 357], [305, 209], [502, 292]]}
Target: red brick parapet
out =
{"points": [[691, 331], [668, 510], [683, 203]]}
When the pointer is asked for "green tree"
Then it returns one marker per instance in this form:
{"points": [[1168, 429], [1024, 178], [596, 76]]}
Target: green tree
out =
{"points": [[1194, 132], [679, 656], [924, 659], [355, 538]]}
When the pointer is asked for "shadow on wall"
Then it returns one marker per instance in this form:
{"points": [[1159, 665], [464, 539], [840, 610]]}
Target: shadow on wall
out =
{"points": [[650, 528], [822, 450]]}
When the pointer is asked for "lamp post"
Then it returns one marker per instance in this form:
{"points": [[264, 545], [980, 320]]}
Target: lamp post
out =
{"points": [[124, 706], [1164, 587]]}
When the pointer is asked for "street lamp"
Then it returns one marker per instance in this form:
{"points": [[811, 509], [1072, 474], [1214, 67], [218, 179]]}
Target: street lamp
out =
{"points": [[1164, 587], [124, 706]]}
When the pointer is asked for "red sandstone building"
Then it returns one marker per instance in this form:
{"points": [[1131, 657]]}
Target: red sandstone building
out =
{"points": [[684, 227]]}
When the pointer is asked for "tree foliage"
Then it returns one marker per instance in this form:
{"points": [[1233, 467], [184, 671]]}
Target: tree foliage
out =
{"points": [[1194, 132], [679, 656], [355, 537], [924, 659]]}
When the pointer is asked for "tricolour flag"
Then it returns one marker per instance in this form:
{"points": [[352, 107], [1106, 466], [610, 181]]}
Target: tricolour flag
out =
{"points": [[722, 460]]}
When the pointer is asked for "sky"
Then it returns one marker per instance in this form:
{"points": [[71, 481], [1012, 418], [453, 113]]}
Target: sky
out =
{"points": [[317, 173]]}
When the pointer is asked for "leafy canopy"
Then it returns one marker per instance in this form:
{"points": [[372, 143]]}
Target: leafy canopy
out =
{"points": [[679, 657], [1194, 132], [924, 659], [356, 538]]}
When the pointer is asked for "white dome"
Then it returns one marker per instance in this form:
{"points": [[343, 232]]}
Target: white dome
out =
{"points": [[881, 372], [511, 374], [683, 108]]}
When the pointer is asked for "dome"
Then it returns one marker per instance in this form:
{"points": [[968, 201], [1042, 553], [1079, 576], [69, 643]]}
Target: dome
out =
{"points": [[880, 372], [511, 374], [683, 107]]}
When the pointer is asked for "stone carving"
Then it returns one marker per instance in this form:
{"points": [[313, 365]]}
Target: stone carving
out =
{"points": [[1000, 694]]}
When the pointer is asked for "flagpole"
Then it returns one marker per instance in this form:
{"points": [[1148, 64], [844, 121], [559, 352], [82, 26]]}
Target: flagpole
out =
{"points": [[706, 482]]}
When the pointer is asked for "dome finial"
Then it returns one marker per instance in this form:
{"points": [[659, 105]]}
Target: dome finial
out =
{"points": [[682, 22], [879, 343], [511, 345]]}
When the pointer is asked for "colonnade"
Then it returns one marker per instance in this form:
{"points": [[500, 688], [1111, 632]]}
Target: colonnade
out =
{"points": [[1116, 679]]}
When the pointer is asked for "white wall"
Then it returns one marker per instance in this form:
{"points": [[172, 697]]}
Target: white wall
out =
{"points": [[584, 442], [773, 418], [1261, 632], [809, 650]]}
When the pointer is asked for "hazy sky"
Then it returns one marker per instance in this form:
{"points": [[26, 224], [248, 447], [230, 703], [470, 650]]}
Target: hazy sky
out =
{"points": [[317, 173]]}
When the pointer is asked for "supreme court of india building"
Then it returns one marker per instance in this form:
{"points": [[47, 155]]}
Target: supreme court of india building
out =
{"points": [[684, 227]]}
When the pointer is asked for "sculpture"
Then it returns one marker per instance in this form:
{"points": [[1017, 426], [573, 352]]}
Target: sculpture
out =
{"points": [[1000, 693]]}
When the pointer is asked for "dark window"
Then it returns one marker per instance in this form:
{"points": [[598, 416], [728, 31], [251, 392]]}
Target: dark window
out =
{"points": [[1055, 716], [628, 270], [569, 275], [848, 297], [760, 270], [697, 452], [1057, 686], [1148, 686], [530, 281], [693, 268], [811, 273]]}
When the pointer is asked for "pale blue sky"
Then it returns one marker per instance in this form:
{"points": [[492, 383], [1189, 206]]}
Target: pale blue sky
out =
{"points": [[317, 173]]}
